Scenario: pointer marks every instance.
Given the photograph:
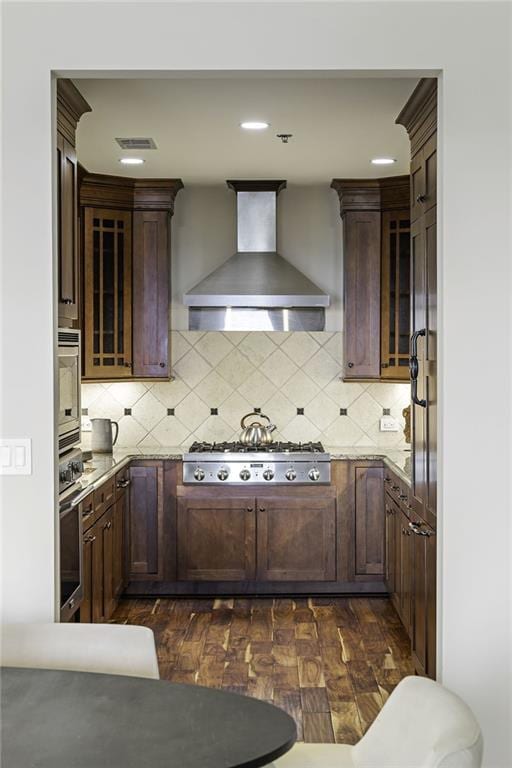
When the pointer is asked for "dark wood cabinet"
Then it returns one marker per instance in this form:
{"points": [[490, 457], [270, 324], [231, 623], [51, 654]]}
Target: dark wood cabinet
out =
{"points": [[151, 249], [369, 521], [70, 107], [106, 531], [391, 570], [423, 633], [92, 606], [118, 546], [145, 530], [125, 264], [216, 538], [376, 256], [405, 573], [361, 269], [395, 295], [107, 269], [419, 117], [296, 538]]}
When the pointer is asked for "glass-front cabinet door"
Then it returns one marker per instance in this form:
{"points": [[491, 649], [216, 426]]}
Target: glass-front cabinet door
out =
{"points": [[107, 293], [395, 296]]}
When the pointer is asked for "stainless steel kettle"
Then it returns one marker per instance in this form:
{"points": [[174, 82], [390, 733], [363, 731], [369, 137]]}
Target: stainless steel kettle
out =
{"points": [[101, 438], [256, 433]]}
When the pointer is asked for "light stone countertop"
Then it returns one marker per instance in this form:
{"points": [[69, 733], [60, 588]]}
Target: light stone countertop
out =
{"points": [[103, 466]]}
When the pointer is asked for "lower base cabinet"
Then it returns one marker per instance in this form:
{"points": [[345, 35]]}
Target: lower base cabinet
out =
{"points": [[268, 538], [145, 546], [296, 539], [411, 577], [98, 604], [103, 557], [216, 538]]}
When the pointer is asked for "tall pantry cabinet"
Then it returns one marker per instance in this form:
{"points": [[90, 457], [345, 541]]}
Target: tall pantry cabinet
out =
{"points": [[70, 107], [419, 117]]}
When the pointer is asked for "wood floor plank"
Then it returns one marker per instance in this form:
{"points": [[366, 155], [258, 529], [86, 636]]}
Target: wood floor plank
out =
{"points": [[314, 700], [311, 673], [318, 728], [346, 723], [368, 707], [331, 663], [291, 703]]}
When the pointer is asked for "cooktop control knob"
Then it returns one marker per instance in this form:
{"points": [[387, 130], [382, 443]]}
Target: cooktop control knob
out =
{"points": [[290, 474], [314, 473], [245, 474], [199, 473], [223, 473], [268, 474]]}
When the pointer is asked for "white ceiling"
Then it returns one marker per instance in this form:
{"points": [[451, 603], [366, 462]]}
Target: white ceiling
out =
{"points": [[338, 125]]}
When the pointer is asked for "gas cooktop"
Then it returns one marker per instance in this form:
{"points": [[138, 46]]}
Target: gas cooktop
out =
{"points": [[238, 447], [235, 463]]}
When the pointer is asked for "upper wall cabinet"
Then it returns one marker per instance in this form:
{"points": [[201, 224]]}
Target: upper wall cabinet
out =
{"points": [[70, 107], [126, 259], [376, 266]]}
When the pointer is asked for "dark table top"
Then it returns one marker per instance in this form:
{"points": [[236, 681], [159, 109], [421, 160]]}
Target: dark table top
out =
{"points": [[57, 719]]}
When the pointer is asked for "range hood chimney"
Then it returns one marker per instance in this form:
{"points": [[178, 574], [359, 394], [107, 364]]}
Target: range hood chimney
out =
{"points": [[256, 289]]}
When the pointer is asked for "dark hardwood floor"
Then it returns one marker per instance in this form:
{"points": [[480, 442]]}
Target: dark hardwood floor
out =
{"points": [[329, 662]]}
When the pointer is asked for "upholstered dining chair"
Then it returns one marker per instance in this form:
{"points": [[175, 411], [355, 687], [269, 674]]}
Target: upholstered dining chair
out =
{"points": [[422, 725], [114, 649]]}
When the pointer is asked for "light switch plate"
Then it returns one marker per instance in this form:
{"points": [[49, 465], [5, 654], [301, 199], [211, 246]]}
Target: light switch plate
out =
{"points": [[388, 424], [15, 456]]}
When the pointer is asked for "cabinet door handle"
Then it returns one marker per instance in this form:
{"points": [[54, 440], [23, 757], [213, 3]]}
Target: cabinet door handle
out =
{"points": [[421, 198], [162, 365], [262, 509], [414, 367], [402, 497], [123, 483], [109, 524], [67, 301], [350, 365], [250, 509]]}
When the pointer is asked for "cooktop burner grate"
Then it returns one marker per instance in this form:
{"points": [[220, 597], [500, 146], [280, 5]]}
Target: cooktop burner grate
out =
{"points": [[238, 447]]}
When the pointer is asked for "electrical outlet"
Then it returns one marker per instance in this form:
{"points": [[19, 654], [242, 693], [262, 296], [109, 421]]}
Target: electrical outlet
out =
{"points": [[388, 424], [15, 456]]}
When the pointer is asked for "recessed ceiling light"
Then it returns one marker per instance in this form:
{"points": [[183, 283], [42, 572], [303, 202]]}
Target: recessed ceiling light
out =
{"points": [[131, 160], [383, 160], [254, 125]]}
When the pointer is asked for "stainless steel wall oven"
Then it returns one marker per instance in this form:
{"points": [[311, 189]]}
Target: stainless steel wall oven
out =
{"points": [[69, 388]]}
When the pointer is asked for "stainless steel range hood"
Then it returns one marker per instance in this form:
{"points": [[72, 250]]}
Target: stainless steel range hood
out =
{"points": [[256, 289]]}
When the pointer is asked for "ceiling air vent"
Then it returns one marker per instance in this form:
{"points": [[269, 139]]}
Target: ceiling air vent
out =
{"points": [[136, 143]]}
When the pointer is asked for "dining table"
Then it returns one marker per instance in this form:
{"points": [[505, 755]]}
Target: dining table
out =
{"points": [[66, 719]]}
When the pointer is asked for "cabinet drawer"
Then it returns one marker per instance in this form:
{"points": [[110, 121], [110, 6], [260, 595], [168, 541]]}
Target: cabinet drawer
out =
{"points": [[122, 481], [104, 496], [87, 512], [397, 489]]}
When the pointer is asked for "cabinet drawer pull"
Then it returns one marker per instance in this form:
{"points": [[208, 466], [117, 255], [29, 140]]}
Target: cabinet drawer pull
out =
{"points": [[123, 483], [395, 487], [262, 509], [387, 480], [67, 301], [250, 509], [416, 528], [403, 497]]}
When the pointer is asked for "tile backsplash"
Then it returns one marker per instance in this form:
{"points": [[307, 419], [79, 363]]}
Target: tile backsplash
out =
{"points": [[219, 377]]}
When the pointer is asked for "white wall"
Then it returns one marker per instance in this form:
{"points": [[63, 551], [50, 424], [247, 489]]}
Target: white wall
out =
{"points": [[309, 236], [470, 43]]}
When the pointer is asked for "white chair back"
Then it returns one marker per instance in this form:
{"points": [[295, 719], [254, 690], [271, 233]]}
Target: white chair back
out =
{"points": [[422, 725], [113, 649]]}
